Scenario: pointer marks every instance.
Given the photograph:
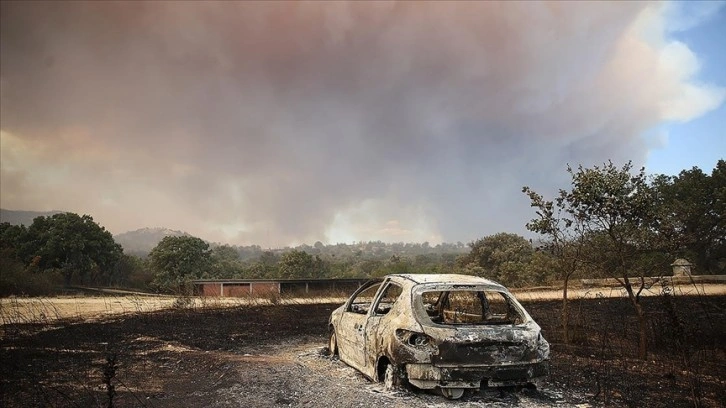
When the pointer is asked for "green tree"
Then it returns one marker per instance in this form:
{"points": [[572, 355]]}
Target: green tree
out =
{"points": [[300, 264], [542, 268], [16, 280], [225, 262], [367, 268], [255, 271], [503, 257], [11, 236], [177, 260], [615, 207], [81, 249], [266, 266], [268, 258], [718, 184], [564, 243], [131, 271], [690, 210], [395, 265]]}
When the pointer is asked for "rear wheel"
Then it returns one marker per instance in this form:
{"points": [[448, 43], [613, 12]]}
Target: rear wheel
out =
{"points": [[452, 393], [332, 344]]}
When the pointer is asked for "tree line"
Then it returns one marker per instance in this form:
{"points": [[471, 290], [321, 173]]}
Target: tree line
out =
{"points": [[619, 223], [611, 222]]}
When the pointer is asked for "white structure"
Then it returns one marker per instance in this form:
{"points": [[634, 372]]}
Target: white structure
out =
{"points": [[681, 267]]}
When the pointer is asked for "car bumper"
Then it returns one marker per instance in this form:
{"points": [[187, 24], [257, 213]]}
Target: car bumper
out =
{"points": [[427, 376]]}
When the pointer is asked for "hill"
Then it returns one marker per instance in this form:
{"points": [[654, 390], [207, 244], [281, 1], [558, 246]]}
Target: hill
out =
{"points": [[142, 241], [23, 217]]}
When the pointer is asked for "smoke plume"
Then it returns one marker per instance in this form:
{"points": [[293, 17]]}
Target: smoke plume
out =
{"points": [[278, 123]]}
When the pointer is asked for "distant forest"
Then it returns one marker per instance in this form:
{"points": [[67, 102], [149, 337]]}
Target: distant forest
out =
{"points": [[142, 241], [611, 222]]}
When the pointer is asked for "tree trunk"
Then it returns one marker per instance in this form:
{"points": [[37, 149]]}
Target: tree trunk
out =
{"points": [[642, 326], [643, 329], [565, 313]]}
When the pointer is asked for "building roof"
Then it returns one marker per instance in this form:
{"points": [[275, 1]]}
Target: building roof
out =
{"points": [[681, 262]]}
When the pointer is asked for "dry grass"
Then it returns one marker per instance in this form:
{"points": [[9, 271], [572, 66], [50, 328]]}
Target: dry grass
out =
{"points": [[708, 289], [49, 309]]}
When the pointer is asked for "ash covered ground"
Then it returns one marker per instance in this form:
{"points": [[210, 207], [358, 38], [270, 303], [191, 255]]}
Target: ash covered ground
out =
{"points": [[270, 356]]}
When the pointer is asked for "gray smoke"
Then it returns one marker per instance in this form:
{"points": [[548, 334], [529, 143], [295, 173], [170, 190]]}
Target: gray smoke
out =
{"points": [[279, 123]]}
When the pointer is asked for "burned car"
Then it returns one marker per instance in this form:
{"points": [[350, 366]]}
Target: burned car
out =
{"points": [[451, 332]]}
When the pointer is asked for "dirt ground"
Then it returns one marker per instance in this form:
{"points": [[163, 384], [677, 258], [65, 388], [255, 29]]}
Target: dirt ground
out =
{"points": [[269, 356]]}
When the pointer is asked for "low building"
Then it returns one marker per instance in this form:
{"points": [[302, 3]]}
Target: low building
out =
{"points": [[681, 267], [263, 287]]}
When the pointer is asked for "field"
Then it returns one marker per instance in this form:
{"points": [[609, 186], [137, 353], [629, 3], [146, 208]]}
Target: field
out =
{"points": [[39, 309], [249, 354]]}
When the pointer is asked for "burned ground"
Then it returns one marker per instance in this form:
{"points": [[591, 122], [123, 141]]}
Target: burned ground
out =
{"points": [[272, 356]]}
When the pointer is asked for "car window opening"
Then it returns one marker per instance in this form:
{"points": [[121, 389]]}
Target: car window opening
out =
{"points": [[388, 298], [362, 302], [464, 307]]}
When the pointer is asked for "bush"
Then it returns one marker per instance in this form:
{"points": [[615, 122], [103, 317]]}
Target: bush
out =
{"points": [[15, 279]]}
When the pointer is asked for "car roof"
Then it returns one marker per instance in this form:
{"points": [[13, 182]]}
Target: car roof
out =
{"points": [[449, 279]]}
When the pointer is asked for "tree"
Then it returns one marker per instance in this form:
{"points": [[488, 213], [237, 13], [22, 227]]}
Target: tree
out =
{"points": [[614, 207], [690, 210], [11, 235], [268, 258], [132, 271], [300, 264], [543, 268], [225, 262], [565, 242], [395, 265], [503, 257], [718, 184], [76, 245], [177, 260], [367, 268]]}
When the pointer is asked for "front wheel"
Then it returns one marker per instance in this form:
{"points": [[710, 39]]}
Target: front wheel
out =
{"points": [[392, 378], [332, 344]]}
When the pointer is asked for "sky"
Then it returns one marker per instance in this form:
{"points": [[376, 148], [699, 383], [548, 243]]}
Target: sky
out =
{"points": [[700, 142], [279, 123]]}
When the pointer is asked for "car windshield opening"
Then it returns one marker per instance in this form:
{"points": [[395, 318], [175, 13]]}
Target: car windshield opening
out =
{"points": [[470, 307]]}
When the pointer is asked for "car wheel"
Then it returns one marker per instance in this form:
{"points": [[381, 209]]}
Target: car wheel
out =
{"points": [[332, 344], [452, 393], [392, 378]]}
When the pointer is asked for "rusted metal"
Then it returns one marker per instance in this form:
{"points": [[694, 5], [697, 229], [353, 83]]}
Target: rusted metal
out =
{"points": [[453, 332]]}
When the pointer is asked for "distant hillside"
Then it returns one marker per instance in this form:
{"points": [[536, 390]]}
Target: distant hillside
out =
{"points": [[142, 241], [23, 217]]}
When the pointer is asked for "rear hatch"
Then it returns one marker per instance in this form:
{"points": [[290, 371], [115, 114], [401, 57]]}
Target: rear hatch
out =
{"points": [[480, 345]]}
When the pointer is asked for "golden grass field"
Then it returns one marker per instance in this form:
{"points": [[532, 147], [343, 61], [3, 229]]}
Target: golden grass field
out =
{"points": [[46, 309]]}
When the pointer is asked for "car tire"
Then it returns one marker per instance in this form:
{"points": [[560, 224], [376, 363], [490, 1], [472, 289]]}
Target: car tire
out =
{"points": [[452, 393], [332, 343], [392, 378]]}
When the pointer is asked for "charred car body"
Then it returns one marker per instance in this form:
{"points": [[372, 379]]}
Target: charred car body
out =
{"points": [[452, 332]]}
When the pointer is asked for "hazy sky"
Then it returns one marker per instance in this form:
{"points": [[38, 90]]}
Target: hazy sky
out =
{"points": [[283, 123]]}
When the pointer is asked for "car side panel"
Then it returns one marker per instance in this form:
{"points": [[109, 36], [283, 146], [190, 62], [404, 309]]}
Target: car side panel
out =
{"points": [[351, 339]]}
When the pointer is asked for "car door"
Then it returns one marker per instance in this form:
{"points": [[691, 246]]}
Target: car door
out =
{"points": [[351, 330], [376, 328]]}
